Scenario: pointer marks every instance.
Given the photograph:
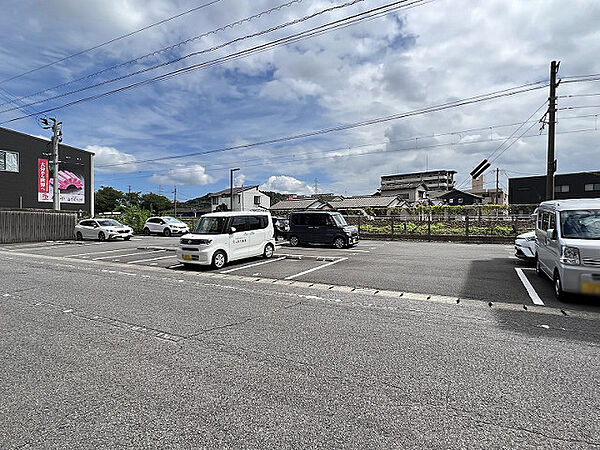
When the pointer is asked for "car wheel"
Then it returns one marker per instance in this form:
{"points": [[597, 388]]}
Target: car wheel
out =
{"points": [[167, 232], [558, 290], [294, 241], [146, 231], [126, 238], [269, 250], [219, 259], [101, 236], [79, 236], [339, 242]]}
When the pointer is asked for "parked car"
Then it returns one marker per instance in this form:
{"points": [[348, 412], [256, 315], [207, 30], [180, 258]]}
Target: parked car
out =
{"points": [[525, 246], [321, 227], [165, 225], [223, 237], [568, 245], [102, 229]]}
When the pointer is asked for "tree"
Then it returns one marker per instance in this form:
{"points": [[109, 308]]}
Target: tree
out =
{"points": [[133, 198], [156, 203], [221, 207], [107, 199]]}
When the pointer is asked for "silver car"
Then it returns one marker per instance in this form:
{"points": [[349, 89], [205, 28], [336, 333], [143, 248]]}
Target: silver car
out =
{"points": [[525, 246], [568, 245], [102, 229]]}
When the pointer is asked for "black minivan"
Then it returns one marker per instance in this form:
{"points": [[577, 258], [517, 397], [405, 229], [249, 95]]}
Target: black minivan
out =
{"points": [[321, 227]]}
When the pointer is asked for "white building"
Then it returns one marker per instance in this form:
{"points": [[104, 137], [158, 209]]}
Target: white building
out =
{"points": [[244, 199]]}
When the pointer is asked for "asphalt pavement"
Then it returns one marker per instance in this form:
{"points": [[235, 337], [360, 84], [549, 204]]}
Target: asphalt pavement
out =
{"points": [[103, 354]]}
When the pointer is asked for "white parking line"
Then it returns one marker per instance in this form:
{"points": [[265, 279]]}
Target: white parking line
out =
{"points": [[127, 254], [150, 259], [94, 253], [291, 277], [535, 298], [254, 264]]}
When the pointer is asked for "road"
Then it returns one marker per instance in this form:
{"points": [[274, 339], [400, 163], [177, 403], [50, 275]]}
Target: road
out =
{"points": [[105, 354]]}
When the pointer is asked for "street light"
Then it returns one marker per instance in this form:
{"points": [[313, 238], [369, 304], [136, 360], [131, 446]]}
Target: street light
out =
{"points": [[231, 187]]}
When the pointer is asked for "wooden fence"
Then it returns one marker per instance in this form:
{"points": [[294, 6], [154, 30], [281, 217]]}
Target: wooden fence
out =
{"points": [[27, 225]]}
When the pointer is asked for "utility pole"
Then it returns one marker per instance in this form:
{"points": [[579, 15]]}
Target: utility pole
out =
{"points": [[56, 139], [129, 189], [497, 192], [551, 162], [175, 201], [231, 187]]}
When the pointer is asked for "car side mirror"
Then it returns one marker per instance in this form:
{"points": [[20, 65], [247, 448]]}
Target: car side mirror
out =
{"points": [[232, 230], [551, 234]]}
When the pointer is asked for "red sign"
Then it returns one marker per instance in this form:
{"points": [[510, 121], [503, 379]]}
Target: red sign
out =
{"points": [[43, 177]]}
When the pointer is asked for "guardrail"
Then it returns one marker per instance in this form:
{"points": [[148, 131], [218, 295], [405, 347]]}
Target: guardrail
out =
{"points": [[35, 225], [461, 228]]}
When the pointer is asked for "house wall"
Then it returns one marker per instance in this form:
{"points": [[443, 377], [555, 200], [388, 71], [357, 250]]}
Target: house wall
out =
{"points": [[20, 189], [532, 190], [243, 201]]}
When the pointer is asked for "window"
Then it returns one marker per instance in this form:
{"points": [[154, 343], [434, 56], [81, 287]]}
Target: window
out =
{"points": [[214, 200], [451, 201], [239, 198], [239, 223], [257, 199], [592, 187], [552, 222], [561, 188], [9, 161], [253, 223], [461, 200]]}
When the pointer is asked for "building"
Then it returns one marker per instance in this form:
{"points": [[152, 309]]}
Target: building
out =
{"points": [[409, 192], [300, 204], [357, 203], [460, 198], [489, 196], [26, 177], [434, 180], [532, 190], [247, 198]]}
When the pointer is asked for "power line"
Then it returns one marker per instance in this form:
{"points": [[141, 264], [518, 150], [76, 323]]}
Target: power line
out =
{"points": [[283, 41], [197, 53], [335, 153], [435, 108], [123, 36], [165, 49]]}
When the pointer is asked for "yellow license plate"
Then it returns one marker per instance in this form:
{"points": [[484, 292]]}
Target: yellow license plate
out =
{"points": [[590, 288], [187, 257]]}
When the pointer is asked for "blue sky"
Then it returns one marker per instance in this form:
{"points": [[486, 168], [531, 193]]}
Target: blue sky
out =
{"points": [[430, 54]]}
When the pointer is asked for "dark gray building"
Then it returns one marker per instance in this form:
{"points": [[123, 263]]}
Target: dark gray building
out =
{"points": [[459, 198], [532, 190], [26, 176]]}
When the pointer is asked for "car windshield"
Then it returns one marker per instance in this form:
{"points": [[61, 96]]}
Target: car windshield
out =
{"points": [[171, 220], [109, 223], [211, 225], [339, 220], [581, 224]]}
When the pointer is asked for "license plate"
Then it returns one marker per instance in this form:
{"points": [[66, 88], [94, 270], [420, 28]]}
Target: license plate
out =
{"points": [[187, 257], [590, 288]]}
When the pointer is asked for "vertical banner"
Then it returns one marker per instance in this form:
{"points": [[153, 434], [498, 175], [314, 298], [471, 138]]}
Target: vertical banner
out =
{"points": [[43, 181], [70, 182]]}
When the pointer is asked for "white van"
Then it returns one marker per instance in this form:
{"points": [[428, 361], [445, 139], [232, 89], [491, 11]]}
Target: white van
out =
{"points": [[568, 245], [227, 236]]}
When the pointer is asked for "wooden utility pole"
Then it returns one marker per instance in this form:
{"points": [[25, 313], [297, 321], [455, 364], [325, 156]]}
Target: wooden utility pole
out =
{"points": [[551, 161]]}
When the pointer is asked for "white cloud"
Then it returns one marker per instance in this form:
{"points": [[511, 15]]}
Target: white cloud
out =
{"points": [[109, 156], [286, 184], [192, 175], [239, 180]]}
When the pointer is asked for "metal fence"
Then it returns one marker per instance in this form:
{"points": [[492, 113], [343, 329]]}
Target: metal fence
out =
{"points": [[24, 225], [460, 228]]}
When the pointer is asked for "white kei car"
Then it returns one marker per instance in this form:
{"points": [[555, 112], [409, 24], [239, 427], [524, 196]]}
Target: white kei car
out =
{"points": [[165, 225], [102, 229]]}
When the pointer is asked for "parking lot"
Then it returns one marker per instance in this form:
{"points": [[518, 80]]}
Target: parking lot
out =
{"points": [[486, 272]]}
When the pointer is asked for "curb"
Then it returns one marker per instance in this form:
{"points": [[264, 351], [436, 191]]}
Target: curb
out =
{"points": [[311, 257], [167, 249]]}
